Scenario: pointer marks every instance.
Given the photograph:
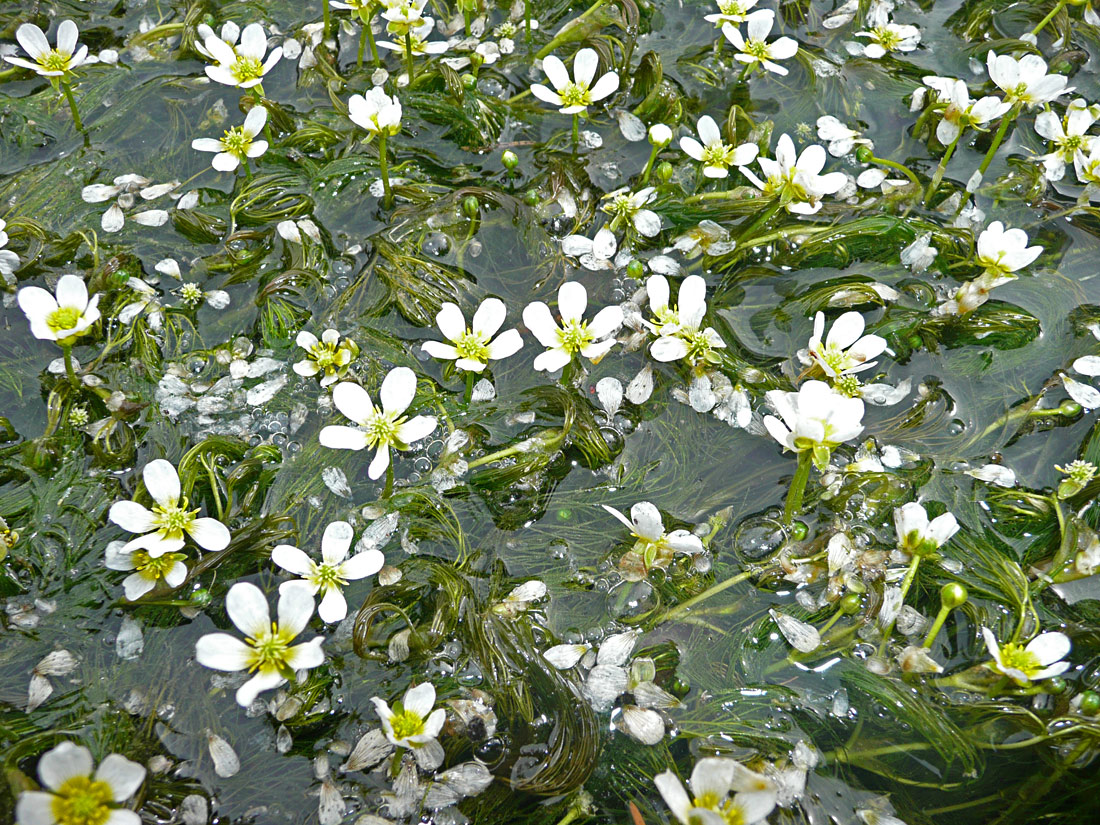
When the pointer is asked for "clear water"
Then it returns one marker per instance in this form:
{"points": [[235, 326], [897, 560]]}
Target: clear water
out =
{"points": [[985, 390]]}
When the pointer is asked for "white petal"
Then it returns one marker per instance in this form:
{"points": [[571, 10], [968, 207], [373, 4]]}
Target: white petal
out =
{"points": [[162, 482], [342, 438], [1049, 647], [291, 559], [336, 541], [450, 321], [646, 519], [124, 776], [362, 565], [333, 607], [420, 699], [247, 693], [248, 610], [131, 516], [572, 301], [416, 428], [63, 763], [353, 401], [398, 389], [209, 533], [295, 607]]}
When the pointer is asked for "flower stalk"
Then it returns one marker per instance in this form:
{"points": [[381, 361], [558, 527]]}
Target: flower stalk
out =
{"points": [[384, 171], [937, 177], [798, 487]]}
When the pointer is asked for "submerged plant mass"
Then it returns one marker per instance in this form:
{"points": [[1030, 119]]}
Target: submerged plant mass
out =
{"points": [[496, 412]]}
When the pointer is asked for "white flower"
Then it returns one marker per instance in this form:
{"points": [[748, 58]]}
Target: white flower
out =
{"points": [[576, 95], [76, 796], [162, 528], [412, 723], [515, 25], [960, 110], [916, 535], [890, 37], [126, 187], [60, 318], [148, 571], [1087, 168], [840, 138], [1025, 81], [731, 11], [1001, 251], [238, 144], [712, 781], [472, 347], [45, 61], [328, 355], [677, 328], [1068, 134], [596, 254], [707, 237], [266, 650], [333, 572], [376, 112], [230, 34], [660, 134], [418, 39], [243, 64], [8, 259], [797, 182], [575, 335], [627, 207], [972, 294], [404, 15], [716, 156], [148, 299], [846, 350], [816, 418], [378, 429], [652, 543], [1040, 659], [756, 50]]}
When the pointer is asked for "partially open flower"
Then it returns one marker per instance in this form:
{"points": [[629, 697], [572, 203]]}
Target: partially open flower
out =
{"points": [[1040, 659], [816, 418], [411, 723], [328, 357], [712, 781], [917, 535]]}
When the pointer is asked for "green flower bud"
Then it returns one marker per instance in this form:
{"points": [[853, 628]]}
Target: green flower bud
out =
{"points": [[953, 595], [470, 206], [799, 530], [201, 597], [1055, 685], [664, 171], [1090, 702], [468, 80], [635, 269], [510, 159], [531, 197], [864, 154], [851, 604]]}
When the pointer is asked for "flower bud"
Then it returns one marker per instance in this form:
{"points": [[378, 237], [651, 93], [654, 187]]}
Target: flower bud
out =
{"points": [[799, 530], [660, 135], [470, 207], [664, 171], [510, 159], [851, 604], [1090, 702], [531, 197], [864, 154], [635, 269], [953, 595], [468, 80]]}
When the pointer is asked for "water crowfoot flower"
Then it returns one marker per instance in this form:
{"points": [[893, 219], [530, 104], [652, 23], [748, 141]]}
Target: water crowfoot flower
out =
{"points": [[679, 335], [1003, 251], [889, 37], [411, 723], [1040, 659], [653, 545], [796, 181], [596, 254], [713, 779], [333, 572], [242, 65], [238, 144], [574, 96], [918, 536], [472, 347], [148, 571], [379, 115], [959, 110], [846, 350], [756, 50], [162, 528], [8, 259], [329, 355], [628, 208], [1068, 134], [76, 796], [730, 11], [61, 318], [1025, 82], [266, 651], [378, 429], [58, 63], [716, 156], [816, 418], [126, 187], [574, 336]]}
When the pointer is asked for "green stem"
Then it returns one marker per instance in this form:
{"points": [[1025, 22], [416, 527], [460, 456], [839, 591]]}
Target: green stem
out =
{"points": [[998, 137], [576, 129], [942, 168], [527, 21], [934, 631], [469, 388], [384, 170], [325, 17], [1042, 23], [214, 489], [905, 170], [649, 164], [67, 352], [798, 487], [362, 46], [761, 219], [388, 490], [570, 815], [68, 89], [714, 590], [466, 14], [409, 55]]}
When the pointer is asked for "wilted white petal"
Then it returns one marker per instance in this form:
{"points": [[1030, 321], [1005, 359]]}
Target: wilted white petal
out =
{"points": [[226, 763], [640, 387], [616, 649], [605, 684], [129, 643], [610, 393], [371, 749], [994, 474], [643, 724], [336, 480], [802, 637]]}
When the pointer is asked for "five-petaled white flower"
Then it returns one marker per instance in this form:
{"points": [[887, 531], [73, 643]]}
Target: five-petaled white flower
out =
{"points": [[576, 95], [404, 15], [713, 779], [1001, 251], [960, 111], [163, 527], [1025, 82], [889, 37], [8, 259], [816, 418], [1040, 659], [796, 181], [238, 144], [678, 328], [63, 317], [148, 571], [266, 650], [411, 723], [378, 429], [628, 209], [918, 536], [75, 795], [335, 569], [731, 11], [652, 543], [376, 112], [242, 64], [472, 347], [717, 156], [574, 336], [1068, 134], [329, 355], [846, 350], [418, 40], [48, 62], [756, 50]]}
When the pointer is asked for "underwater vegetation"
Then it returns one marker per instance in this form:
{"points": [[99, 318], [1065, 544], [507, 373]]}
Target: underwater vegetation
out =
{"points": [[416, 411]]}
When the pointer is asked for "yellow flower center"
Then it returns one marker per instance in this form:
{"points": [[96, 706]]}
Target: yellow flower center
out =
{"points": [[574, 336], [63, 318], [573, 94], [247, 68], [327, 576], [473, 346], [269, 651], [731, 8], [406, 723], [155, 569], [381, 430], [191, 294], [718, 154], [757, 49], [236, 142], [173, 519], [82, 800], [848, 385], [886, 37], [1019, 658], [699, 347]]}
